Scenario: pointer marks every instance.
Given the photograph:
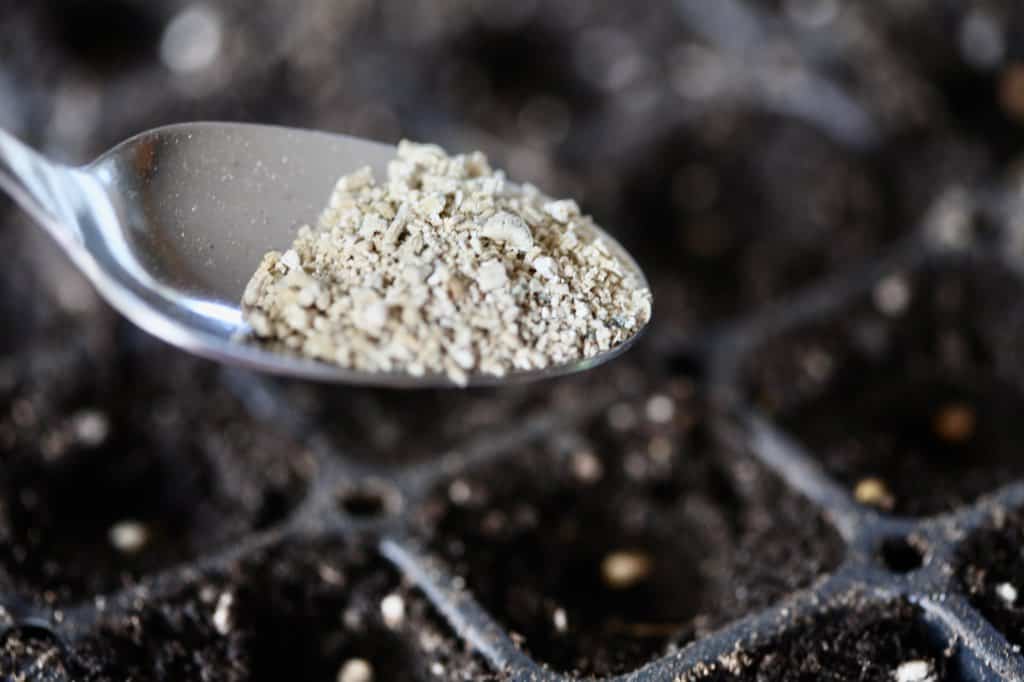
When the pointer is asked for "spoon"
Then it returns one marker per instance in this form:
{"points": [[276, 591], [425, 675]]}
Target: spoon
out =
{"points": [[170, 225]]}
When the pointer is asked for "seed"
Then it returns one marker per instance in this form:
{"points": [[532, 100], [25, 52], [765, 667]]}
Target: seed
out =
{"points": [[955, 422], [128, 536], [356, 670], [873, 491], [1011, 91], [626, 568]]}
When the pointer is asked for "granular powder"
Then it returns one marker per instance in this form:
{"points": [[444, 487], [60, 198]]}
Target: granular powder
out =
{"points": [[446, 268]]}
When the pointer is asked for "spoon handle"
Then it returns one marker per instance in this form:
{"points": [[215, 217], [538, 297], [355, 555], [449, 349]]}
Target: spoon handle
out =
{"points": [[48, 191]]}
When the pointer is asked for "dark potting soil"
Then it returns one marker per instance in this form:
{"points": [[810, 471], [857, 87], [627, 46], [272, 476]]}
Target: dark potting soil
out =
{"points": [[860, 642], [925, 397], [991, 568], [388, 428], [702, 194], [294, 612], [139, 433], [605, 547]]}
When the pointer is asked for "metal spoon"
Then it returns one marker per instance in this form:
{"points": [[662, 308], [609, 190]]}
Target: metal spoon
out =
{"points": [[170, 224]]}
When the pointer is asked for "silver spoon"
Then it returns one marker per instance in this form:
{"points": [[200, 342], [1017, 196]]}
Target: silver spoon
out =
{"points": [[170, 224]]}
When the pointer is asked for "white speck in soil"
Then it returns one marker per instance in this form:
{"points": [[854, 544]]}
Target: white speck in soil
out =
{"points": [[660, 409], [355, 670], [222, 618], [586, 467], [392, 608], [459, 492], [892, 295], [981, 39], [192, 39], [91, 427], [915, 671], [128, 537], [1007, 592], [331, 575], [436, 669], [561, 620]]}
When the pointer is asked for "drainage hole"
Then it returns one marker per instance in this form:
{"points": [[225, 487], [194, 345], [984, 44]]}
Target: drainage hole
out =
{"points": [[369, 500], [900, 556]]}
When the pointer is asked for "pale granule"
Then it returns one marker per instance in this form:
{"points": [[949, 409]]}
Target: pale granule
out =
{"points": [[446, 268]]}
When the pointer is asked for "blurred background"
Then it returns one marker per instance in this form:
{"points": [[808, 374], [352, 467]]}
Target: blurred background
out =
{"points": [[740, 148]]}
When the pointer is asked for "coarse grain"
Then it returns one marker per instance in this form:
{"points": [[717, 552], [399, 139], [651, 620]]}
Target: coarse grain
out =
{"points": [[446, 268]]}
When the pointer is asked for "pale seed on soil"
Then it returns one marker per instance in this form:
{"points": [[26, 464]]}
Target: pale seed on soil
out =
{"points": [[356, 670], [874, 492], [626, 568]]}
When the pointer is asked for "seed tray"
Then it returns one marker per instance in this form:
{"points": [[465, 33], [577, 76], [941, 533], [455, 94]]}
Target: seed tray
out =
{"points": [[753, 493]]}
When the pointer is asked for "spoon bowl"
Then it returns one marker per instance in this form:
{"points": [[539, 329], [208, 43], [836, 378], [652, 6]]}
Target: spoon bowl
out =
{"points": [[170, 225]]}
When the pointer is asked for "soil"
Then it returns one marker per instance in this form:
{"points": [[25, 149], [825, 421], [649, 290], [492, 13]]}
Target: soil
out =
{"points": [[926, 400], [391, 429], [861, 643], [704, 194], [532, 535], [297, 612], [990, 559], [137, 433]]}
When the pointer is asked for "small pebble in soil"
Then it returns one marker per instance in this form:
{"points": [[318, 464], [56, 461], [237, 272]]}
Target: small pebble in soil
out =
{"points": [[330, 575], [436, 669], [660, 409], [625, 568], [915, 671], [586, 467], [222, 617], [355, 670], [874, 492], [91, 427], [459, 492], [955, 422], [892, 295], [128, 536], [1007, 592], [561, 620], [392, 609]]}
